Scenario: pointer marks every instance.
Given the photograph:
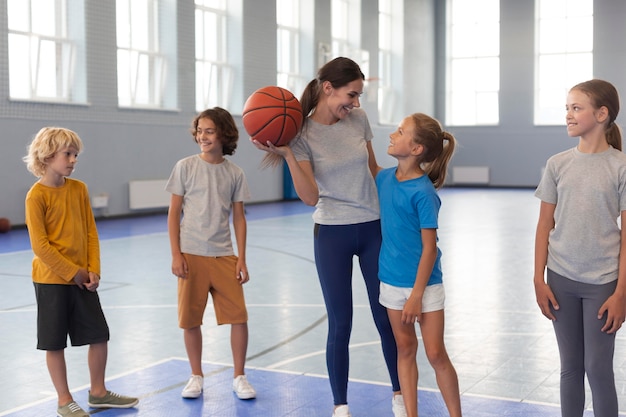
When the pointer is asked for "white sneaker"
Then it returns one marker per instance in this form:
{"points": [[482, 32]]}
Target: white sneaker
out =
{"points": [[342, 411], [193, 389], [243, 389], [397, 406]]}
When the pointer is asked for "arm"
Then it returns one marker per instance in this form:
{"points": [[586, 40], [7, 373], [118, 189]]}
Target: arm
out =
{"points": [[615, 305], [413, 307], [40, 242], [301, 172], [241, 227], [543, 293], [179, 266], [93, 254], [372, 163]]}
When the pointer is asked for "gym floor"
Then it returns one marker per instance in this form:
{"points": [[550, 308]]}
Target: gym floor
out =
{"points": [[504, 350]]}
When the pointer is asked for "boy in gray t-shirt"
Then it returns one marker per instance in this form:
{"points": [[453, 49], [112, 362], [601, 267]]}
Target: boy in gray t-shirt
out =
{"points": [[206, 188]]}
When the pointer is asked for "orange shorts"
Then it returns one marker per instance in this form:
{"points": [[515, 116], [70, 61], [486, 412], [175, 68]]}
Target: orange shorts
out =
{"points": [[214, 275]]}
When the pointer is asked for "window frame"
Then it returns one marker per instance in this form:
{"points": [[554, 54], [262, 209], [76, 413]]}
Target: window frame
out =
{"points": [[55, 61], [480, 58]]}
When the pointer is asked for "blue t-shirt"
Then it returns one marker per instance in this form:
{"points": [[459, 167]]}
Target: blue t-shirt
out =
{"points": [[406, 208]]}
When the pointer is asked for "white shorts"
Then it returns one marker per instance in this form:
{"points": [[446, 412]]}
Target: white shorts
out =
{"points": [[394, 297]]}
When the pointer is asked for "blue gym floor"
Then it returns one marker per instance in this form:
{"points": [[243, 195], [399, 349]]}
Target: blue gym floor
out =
{"points": [[502, 347]]}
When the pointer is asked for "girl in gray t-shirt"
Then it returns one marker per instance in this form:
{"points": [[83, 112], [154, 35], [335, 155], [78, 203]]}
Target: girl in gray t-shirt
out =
{"points": [[579, 248]]}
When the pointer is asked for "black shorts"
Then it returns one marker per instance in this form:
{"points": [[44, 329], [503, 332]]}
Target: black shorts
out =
{"points": [[64, 310]]}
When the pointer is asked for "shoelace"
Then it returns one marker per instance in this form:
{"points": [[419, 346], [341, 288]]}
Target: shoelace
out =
{"points": [[73, 407]]}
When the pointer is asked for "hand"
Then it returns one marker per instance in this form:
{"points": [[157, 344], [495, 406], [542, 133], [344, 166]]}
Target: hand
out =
{"points": [[242, 275], [269, 147], [412, 310], [179, 266], [94, 282], [81, 278], [615, 311], [546, 299]]}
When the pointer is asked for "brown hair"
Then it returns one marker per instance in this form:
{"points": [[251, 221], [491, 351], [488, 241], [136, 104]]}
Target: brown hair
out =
{"points": [[339, 72], [604, 94], [225, 127], [438, 147]]}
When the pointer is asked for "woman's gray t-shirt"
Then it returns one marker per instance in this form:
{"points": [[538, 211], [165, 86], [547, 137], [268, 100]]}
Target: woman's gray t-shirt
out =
{"points": [[339, 157]]}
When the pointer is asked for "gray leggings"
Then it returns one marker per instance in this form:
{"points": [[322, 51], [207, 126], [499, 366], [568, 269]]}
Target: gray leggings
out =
{"points": [[583, 347]]}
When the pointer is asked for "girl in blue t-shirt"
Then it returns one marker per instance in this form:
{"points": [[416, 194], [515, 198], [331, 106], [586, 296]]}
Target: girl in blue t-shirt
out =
{"points": [[409, 264]]}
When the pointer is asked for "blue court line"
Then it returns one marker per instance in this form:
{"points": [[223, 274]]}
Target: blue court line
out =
{"points": [[278, 394]]}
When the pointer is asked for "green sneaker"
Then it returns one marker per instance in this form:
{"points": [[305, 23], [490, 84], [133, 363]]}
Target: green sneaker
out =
{"points": [[71, 409], [112, 400]]}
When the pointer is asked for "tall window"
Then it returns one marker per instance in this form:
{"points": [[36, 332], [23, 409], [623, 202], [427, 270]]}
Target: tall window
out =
{"points": [[473, 63], [288, 46], [142, 59], [214, 77], [564, 55], [390, 44], [346, 30], [46, 50]]}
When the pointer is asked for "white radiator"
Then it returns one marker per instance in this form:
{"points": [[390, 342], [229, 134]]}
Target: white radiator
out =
{"points": [[145, 194], [470, 175]]}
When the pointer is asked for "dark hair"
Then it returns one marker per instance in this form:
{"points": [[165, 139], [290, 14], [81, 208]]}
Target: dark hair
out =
{"points": [[224, 125], [339, 72], [604, 94], [438, 147]]}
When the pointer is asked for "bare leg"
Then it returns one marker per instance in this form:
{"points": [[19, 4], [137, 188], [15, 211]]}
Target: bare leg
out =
{"points": [[239, 346], [193, 345], [97, 360], [432, 325], [406, 340], [55, 360]]}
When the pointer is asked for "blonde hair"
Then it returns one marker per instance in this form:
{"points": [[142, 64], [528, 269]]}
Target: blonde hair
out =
{"points": [[46, 143]]}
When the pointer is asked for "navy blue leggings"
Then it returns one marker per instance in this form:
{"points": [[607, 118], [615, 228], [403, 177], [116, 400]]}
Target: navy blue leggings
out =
{"points": [[335, 248], [583, 348]]}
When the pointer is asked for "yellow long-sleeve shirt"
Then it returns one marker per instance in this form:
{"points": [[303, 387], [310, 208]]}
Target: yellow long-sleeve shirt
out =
{"points": [[62, 230]]}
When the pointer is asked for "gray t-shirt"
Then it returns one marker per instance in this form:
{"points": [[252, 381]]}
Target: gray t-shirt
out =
{"points": [[589, 193], [339, 157], [208, 192]]}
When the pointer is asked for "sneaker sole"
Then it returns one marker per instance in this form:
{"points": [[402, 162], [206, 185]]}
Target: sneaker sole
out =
{"points": [[246, 396], [129, 405], [192, 396]]}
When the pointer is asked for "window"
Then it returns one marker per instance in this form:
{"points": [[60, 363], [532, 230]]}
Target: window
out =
{"points": [[346, 30], [564, 55], [390, 43], [46, 50], [214, 77], [473, 63], [346, 33], [288, 46], [142, 58]]}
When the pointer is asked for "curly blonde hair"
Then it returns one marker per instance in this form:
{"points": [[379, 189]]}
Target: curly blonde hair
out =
{"points": [[46, 143]]}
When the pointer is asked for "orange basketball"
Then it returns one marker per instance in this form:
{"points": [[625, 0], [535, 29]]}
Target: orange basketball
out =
{"points": [[272, 114]]}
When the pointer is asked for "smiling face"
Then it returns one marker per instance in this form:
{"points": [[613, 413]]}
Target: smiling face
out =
{"points": [[207, 137], [582, 118], [339, 101], [401, 142]]}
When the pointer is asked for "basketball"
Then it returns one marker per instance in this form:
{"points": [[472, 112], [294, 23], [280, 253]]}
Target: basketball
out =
{"points": [[272, 114], [5, 225]]}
